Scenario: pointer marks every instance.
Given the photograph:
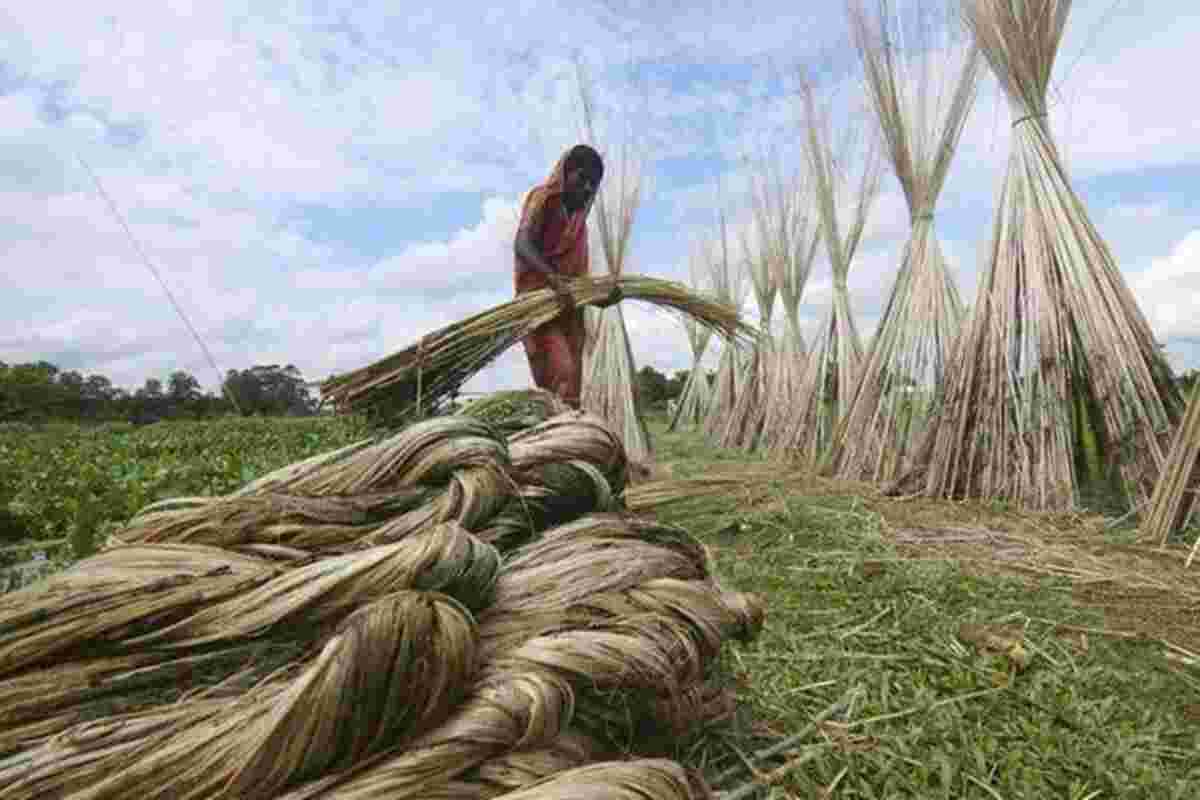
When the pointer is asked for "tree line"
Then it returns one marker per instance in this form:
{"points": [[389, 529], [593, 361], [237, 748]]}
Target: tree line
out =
{"points": [[41, 391]]}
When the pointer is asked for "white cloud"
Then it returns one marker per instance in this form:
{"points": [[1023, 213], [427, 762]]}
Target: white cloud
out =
{"points": [[1169, 290], [217, 128]]}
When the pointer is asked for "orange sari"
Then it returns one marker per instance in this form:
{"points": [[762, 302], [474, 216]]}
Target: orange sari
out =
{"points": [[555, 350]]}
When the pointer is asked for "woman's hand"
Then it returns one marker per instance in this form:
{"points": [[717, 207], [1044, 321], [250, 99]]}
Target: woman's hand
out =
{"points": [[559, 285], [615, 295]]}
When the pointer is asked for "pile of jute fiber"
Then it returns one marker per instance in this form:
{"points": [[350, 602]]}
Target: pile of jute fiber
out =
{"points": [[443, 612]]}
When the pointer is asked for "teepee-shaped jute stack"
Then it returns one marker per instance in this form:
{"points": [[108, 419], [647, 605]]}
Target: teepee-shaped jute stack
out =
{"points": [[610, 373], [787, 223], [1057, 380], [697, 392], [835, 361], [742, 425], [922, 97], [729, 288]]}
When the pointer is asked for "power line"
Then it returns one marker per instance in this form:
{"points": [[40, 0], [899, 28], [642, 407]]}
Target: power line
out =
{"points": [[137, 246]]}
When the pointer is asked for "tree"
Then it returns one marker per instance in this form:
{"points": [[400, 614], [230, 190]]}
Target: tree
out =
{"points": [[652, 388], [270, 390]]}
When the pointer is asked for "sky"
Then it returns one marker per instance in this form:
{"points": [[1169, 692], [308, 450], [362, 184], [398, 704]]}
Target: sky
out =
{"points": [[321, 183]]}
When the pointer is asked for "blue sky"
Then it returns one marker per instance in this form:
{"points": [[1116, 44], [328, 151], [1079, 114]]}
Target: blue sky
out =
{"points": [[321, 183]]}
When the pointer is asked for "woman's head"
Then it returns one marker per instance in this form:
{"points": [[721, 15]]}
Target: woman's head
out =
{"points": [[583, 170]]}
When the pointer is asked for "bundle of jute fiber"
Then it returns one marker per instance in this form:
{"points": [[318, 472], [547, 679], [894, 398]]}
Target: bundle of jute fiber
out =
{"points": [[834, 363], [424, 375], [692, 405], [1058, 384], [523, 698], [1178, 491], [730, 286], [522, 768], [300, 606], [654, 645], [379, 491], [381, 682], [637, 779], [158, 603], [117, 594], [922, 94], [39, 703], [395, 668], [790, 235], [741, 425]]}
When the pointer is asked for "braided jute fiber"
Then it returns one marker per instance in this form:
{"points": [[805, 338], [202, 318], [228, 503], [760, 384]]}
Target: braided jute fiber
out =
{"points": [[395, 668], [444, 558]]}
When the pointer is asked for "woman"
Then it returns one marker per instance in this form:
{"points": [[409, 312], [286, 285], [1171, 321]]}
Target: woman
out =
{"points": [[551, 247]]}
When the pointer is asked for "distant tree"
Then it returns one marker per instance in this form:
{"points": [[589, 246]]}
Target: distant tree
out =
{"points": [[270, 390], [652, 388], [1188, 380]]}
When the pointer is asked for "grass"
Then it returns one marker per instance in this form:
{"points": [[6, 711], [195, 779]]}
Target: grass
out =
{"points": [[966, 677]]}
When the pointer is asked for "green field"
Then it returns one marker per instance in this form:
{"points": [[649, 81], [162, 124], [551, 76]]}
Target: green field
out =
{"points": [[966, 651]]}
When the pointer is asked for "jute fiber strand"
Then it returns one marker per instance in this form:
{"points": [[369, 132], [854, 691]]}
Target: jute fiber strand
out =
{"points": [[922, 93], [422, 668], [609, 373], [425, 375], [1178, 491], [1058, 382], [835, 360], [694, 399]]}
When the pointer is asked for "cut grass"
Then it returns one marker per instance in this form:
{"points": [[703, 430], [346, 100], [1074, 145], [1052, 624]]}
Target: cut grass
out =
{"points": [[964, 678]]}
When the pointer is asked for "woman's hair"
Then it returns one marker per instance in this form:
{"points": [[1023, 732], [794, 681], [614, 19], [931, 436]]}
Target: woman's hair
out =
{"points": [[585, 156]]}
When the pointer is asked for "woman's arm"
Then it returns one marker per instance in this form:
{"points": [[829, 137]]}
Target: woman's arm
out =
{"points": [[526, 248]]}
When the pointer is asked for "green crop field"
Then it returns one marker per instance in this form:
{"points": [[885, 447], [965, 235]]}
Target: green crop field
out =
{"points": [[63, 486], [954, 650]]}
